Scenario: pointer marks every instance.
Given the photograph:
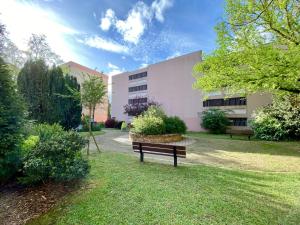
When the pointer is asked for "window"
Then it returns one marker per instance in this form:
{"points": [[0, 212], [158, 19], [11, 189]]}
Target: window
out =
{"points": [[138, 88], [239, 122], [137, 100], [225, 102], [137, 76]]}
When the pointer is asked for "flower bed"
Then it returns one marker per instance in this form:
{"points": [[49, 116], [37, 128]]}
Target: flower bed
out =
{"points": [[163, 138]]}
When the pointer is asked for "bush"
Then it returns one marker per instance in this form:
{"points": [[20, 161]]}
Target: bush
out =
{"points": [[174, 125], [110, 123], [85, 125], [97, 126], [11, 119], [155, 111], [124, 126], [148, 125], [56, 157], [154, 121], [137, 108], [118, 124], [279, 121], [215, 121]]}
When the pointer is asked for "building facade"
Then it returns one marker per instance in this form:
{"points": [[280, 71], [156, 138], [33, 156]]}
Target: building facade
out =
{"points": [[170, 84], [82, 73]]}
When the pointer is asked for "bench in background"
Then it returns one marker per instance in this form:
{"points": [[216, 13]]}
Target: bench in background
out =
{"points": [[248, 133], [159, 149]]}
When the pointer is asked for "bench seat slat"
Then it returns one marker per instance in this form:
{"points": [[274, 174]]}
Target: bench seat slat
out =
{"points": [[155, 149], [159, 153], [159, 145]]}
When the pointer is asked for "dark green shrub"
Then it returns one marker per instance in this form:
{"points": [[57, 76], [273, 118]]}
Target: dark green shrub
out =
{"points": [[279, 121], [118, 124], [46, 131], [174, 125], [215, 121], [56, 157], [148, 125], [11, 119]]}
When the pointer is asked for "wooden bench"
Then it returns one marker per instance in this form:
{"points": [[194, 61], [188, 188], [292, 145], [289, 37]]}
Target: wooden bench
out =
{"points": [[159, 149], [248, 133]]}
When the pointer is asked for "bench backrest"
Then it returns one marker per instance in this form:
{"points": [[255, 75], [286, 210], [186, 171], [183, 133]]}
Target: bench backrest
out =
{"points": [[245, 132], [159, 149]]}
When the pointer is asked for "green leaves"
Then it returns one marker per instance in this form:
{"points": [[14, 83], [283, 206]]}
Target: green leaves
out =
{"points": [[258, 49]]}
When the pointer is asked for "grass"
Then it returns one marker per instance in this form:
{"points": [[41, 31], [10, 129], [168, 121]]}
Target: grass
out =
{"points": [[240, 153], [85, 134], [121, 190]]}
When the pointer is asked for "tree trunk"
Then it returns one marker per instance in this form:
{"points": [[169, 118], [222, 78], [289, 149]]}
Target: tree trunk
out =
{"points": [[90, 130]]}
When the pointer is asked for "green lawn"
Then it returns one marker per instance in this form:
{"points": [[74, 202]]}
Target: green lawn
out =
{"points": [[121, 190], [85, 134], [240, 153]]}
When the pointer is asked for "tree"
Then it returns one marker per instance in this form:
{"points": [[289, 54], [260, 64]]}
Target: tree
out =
{"points": [[38, 48], [32, 84], [12, 113], [92, 94], [48, 94], [258, 49], [72, 105]]}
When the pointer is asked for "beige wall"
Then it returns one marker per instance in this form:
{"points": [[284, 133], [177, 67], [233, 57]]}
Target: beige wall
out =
{"points": [[81, 73], [119, 96], [169, 83]]}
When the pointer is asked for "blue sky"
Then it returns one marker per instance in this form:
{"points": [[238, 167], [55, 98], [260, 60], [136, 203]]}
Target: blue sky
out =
{"points": [[115, 35]]}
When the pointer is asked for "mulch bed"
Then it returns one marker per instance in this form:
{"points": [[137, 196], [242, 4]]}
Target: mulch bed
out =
{"points": [[19, 204]]}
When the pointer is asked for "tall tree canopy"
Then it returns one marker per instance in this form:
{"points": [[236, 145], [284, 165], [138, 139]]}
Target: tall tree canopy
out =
{"points": [[11, 117], [38, 48], [48, 94], [258, 49]]}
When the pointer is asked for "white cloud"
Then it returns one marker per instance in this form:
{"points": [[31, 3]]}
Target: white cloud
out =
{"points": [[114, 69], [134, 26], [159, 6], [107, 45], [143, 65], [107, 20], [137, 21], [112, 66], [25, 18]]}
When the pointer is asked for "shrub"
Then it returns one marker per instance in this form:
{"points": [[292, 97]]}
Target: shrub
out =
{"points": [[118, 124], [215, 121], [137, 108], [155, 111], [97, 126], [11, 119], [148, 125], [45, 131], [279, 121], [110, 123], [174, 125], [28, 144], [56, 157], [124, 126]]}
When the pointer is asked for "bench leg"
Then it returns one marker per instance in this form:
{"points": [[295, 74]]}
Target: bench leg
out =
{"points": [[175, 161], [249, 137], [141, 156], [230, 135]]}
